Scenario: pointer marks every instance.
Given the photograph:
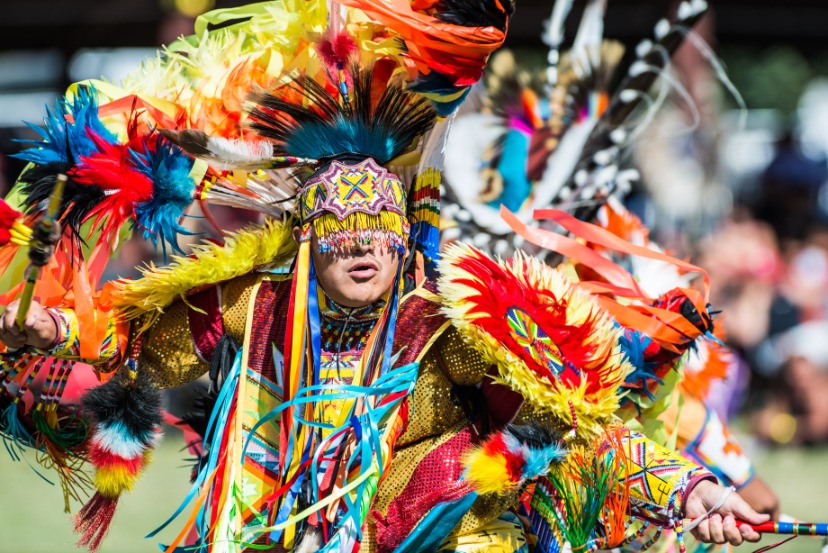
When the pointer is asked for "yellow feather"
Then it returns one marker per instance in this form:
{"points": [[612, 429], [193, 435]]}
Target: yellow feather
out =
{"points": [[249, 249], [487, 473]]}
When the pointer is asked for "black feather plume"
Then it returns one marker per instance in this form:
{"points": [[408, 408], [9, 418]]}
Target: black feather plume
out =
{"points": [[133, 403], [323, 128], [534, 434], [484, 13]]}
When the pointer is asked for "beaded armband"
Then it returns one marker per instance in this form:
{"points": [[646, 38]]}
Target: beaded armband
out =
{"points": [[67, 343], [67, 332], [658, 479]]}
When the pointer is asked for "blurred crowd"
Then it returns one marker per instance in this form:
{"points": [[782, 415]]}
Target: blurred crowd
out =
{"points": [[768, 264]]}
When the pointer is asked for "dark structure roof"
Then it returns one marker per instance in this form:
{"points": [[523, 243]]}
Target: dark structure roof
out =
{"points": [[73, 24]]}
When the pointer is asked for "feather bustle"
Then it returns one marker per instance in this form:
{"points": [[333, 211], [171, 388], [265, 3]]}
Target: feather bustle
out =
{"points": [[477, 294]]}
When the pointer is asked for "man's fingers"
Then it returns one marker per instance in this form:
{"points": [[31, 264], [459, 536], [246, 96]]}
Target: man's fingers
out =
{"points": [[31, 321], [716, 528], [702, 531], [749, 534], [741, 510], [9, 325], [13, 340], [731, 532]]}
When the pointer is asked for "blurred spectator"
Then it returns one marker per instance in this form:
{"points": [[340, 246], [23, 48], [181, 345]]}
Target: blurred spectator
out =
{"points": [[789, 191], [775, 307]]}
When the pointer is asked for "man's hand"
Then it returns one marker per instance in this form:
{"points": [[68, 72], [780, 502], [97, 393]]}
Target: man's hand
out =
{"points": [[720, 527], [39, 330]]}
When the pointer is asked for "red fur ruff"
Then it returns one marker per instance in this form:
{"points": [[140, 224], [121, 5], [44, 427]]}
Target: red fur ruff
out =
{"points": [[103, 459]]}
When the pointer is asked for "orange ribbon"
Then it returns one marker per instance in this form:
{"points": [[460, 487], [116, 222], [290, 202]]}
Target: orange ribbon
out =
{"points": [[666, 327]]}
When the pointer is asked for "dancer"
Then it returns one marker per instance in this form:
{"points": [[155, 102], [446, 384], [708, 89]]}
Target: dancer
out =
{"points": [[356, 403]]}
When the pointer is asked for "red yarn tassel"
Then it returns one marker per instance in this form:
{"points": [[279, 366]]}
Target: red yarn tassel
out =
{"points": [[93, 520]]}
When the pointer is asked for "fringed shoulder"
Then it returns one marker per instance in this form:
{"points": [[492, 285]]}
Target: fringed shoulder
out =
{"points": [[242, 253]]}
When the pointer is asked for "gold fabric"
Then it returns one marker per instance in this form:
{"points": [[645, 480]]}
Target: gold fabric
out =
{"points": [[167, 349], [169, 354], [432, 411], [463, 364], [235, 298]]}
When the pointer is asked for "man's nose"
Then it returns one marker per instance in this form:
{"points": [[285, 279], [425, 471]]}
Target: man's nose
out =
{"points": [[364, 247]]}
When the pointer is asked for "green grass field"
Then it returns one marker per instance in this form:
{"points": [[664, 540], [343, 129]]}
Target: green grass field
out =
{"points": [[799, 476], [32, 519]]}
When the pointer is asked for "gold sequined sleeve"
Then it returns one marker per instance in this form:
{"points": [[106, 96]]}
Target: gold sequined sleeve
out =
{"points": [[460, 363], [168, 347]]}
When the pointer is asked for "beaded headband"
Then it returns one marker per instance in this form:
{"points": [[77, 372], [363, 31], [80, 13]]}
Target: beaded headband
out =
{"points": [[355, 204], [344, 189]]}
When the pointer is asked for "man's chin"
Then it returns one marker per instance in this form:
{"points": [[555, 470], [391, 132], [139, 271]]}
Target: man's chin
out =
{"points": [[360, 295]]}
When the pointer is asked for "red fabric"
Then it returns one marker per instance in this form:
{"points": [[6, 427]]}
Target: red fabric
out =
{"points": [[502, 402], [208, 327], [436, 479]]}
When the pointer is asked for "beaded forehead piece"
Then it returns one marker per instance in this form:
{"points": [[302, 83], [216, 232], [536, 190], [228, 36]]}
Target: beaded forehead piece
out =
{"points": [[355, 204], [343, 189]]}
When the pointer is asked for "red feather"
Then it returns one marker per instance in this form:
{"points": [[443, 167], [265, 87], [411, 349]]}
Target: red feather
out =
{"points": [[338, 54], [8, 216], [498, 293], [113, 169]]}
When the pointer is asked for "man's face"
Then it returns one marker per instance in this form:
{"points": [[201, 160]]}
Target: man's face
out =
{"points": [[354, 278]]}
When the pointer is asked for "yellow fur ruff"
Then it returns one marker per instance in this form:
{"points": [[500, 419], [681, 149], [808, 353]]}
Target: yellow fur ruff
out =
{"points": [[242, 252], [488, 473], [112, 481]]}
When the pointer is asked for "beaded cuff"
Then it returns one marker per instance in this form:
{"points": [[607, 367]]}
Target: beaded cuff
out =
{"points": [[67, 331], [658, 479], [67, 342]]}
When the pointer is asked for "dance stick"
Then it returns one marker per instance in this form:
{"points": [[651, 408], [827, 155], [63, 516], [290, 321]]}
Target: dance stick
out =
{"points": [[788, 528], [44, 236]]}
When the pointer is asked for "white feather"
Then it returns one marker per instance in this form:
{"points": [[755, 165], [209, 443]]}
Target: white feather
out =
{"points": [[554, 26], [311, 541], [240, 153]]}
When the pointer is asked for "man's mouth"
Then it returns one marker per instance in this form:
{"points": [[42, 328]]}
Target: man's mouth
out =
{"points": [[363, 269]]}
